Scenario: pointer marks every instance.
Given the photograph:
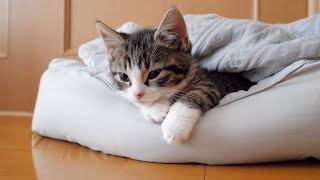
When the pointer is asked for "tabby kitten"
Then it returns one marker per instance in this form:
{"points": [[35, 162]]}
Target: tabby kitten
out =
{"points": [[154, 69]]}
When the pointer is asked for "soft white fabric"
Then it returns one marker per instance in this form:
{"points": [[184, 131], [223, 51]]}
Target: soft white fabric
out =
{"points": [[235, 45], [76, 104]]}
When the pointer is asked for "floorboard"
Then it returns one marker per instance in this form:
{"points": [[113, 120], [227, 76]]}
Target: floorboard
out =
{"points": [[24, 155]]}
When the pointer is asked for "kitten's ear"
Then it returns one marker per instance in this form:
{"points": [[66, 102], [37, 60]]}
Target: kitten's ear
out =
{"points": [[172, 30], [111, 38]]}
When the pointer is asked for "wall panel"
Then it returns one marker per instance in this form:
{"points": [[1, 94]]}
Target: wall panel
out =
{"points": [[35, 37], [84, 13], [282, 11], [4, 28]]}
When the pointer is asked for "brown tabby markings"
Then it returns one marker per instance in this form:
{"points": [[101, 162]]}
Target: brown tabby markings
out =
{"points": [[139, 49], [202, 90]]}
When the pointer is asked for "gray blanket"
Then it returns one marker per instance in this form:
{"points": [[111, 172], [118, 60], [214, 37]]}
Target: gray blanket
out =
{"points": [[260, 49]]}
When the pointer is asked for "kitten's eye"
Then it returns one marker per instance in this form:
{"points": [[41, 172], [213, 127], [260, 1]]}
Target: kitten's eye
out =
{"points": [[154, 74], [124, 77]]}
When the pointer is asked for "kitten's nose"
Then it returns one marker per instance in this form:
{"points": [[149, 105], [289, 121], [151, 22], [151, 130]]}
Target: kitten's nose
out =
{"points": [[139, 95]]}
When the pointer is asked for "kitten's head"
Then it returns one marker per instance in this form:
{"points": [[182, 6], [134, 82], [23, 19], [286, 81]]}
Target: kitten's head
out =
{"points": [[152, 63]]}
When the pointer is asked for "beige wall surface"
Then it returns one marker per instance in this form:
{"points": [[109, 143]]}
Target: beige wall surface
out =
{"points": [[84, 13], [35, 37], [281, 11], [40, 30]]}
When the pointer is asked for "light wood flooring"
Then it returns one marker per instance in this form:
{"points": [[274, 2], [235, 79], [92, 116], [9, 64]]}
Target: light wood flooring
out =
{"points": [[24, 155]]}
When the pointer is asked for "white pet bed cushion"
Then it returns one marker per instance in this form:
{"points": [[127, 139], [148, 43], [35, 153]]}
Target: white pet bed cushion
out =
{"points": [[282, 123]]}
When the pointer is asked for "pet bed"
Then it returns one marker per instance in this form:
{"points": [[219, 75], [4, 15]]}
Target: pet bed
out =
{"points": [[277, 119]]}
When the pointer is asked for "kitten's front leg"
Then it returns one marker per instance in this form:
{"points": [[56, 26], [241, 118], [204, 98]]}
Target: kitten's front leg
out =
{"points": [[179, 123], [156, 111]]}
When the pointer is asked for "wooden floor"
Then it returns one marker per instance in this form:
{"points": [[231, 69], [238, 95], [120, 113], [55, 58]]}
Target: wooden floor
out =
{"points": [[24, 155]]}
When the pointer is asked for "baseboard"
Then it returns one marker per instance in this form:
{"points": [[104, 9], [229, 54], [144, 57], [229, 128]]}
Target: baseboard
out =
{"points": [[16, 113]]}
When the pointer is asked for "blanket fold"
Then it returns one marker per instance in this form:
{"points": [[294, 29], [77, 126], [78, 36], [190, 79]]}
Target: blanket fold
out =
{"points": [[259, 49]]}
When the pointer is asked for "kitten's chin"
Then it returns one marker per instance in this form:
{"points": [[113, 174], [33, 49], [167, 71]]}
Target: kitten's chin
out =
{"points": [[145, 101], [141, 101]]}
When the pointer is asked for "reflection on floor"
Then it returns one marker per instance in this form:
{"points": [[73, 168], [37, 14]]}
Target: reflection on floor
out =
{"points": [[24, 155]]}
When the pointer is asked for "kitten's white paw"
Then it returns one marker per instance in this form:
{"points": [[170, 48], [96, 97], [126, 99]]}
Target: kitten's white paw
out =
{"points": [[156, 112], [179, 123], [175, 132]]}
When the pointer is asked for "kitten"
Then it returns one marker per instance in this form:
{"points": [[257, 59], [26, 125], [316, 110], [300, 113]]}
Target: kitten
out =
{"points": [[154, 69]]}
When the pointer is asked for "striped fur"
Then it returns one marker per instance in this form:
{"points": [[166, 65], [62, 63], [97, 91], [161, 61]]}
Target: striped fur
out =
{"points": [[180, 78]]}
